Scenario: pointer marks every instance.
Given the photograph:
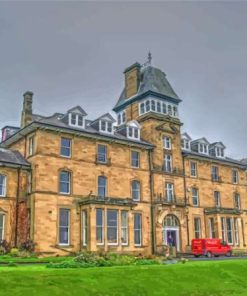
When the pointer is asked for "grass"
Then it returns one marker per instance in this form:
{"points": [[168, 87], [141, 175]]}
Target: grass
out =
{"points": [[190, 279]]}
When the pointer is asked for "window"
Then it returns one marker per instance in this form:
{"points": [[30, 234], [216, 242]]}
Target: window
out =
{"points": [[223, 229], [123, 117], [84, 227], [76, 119], [167, 163], [197, 227], [103, 125], [109, 127], [65, 147], [237, 202], [142, 108], [169, 192], [135, 159], [135, 190], [2, 185], [147, 106], [212, 233], [236, 236], [102, 186], [153, 105], [229, 231], [112, 227], [119, 119], [195, 197], [2, 220], [234, 176], [185, 144], [215, 173], [133, 132], [164, 108], [217, 198], [106, 126], [124, 228], [193, 169], [175, 111], [158, 107], [137, 229], [102, 153], [99, 226], [31, 146], [64, 183], [167, 143], [64, 226]]}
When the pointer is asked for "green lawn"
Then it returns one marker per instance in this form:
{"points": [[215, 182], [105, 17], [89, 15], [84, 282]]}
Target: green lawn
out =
{"points": [[193, 278], [7, 259]]}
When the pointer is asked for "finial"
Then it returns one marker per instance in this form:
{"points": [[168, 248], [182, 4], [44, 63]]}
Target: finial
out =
{"points": [[149, 58]]}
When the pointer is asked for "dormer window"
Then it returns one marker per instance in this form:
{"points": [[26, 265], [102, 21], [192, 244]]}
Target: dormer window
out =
{"points": [[219, 152], [106, 126], [76, 120], [217, 149], [133, 130], [203, 148], [185, 144]]}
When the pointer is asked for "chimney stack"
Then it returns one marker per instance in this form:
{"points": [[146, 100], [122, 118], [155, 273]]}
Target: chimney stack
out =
{"points": [[26, 115], [132, 80]]}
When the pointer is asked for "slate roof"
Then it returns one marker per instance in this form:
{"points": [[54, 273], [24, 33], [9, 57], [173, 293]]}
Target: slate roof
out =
{"points": [[154, 80], [12, 157], [226, 160]]}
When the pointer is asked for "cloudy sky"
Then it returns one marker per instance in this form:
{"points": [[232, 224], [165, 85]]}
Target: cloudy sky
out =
{"points": [[71, 53]]}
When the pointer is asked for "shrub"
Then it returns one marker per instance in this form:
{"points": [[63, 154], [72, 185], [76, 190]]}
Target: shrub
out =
{"points": [[183, 260], [5, 246], [28, 246], [147, 262], [69, 264], [11, 264], [14, 252]]}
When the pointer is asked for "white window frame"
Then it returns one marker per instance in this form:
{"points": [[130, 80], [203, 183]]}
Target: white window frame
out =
{"points": [[117, 234], [124, 228], [68, 243], [102, 226], [169, 190], [69, 182], [217, 198], [167, 143], [138, 229], [99, 155], [69, 148], [3, 227], [100, 186], [84, 220], [211, 228], [107, 124], [31, 145], [138, 153], [139, 190], [193, 171], [76, 120], [133, 128], [235, 176], [237, 200], [199, 230], [3, 194], [236, 231], [168, 163], [153, 107], [195, 196]]}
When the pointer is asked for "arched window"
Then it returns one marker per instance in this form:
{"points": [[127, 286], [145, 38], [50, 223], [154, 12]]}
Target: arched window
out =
{"points": [[135, 188], [65, 182], [124, 117], [102, 181], [2, 185], [171, 221]]}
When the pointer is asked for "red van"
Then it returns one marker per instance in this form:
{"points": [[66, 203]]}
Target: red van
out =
{"points": [[210, 247]]}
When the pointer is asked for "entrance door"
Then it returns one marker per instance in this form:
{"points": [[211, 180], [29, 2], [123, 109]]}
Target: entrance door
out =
{"points": [[171, 237]]}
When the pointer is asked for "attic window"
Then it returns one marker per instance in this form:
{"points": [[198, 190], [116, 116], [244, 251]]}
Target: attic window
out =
{"points": [[203, 148], [76, 120], [121, 118], [134, 133], [185, 144], [219, 152], [106, 126]]}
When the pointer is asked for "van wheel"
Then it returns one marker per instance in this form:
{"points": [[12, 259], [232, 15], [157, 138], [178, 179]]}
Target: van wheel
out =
{"points": [[196, 256], [228, 254], [209, 255]]}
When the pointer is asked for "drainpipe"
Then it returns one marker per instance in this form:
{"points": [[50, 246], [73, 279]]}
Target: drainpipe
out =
{"points": [[17, 205], [186, 203], [152, 209]]}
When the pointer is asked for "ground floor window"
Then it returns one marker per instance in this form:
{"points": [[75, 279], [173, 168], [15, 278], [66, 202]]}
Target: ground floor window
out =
{"points": [[84, 227], [229, 229], [137, 229], [197, 227], [99, 226], [64, 226], [211, 226], [2, 220], [124, 227], [112, 227]]}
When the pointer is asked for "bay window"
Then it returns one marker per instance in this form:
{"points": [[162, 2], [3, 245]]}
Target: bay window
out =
{"points": [[64, 227], [124, 227], [137, 229], [112, 227], [99, 226]]}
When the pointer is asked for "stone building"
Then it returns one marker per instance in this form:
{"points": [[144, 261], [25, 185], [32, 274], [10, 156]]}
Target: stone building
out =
{"points": [[134, 184]]}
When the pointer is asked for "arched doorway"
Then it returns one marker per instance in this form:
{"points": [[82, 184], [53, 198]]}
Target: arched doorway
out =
{"points": [[171, 231]]}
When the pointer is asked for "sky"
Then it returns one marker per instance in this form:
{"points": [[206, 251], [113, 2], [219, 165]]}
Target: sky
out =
{"points": [[74, 53]]}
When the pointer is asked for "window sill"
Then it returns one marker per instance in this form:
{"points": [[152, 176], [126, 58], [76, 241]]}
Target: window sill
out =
{"points": [[64, 246], [64, 156]]}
